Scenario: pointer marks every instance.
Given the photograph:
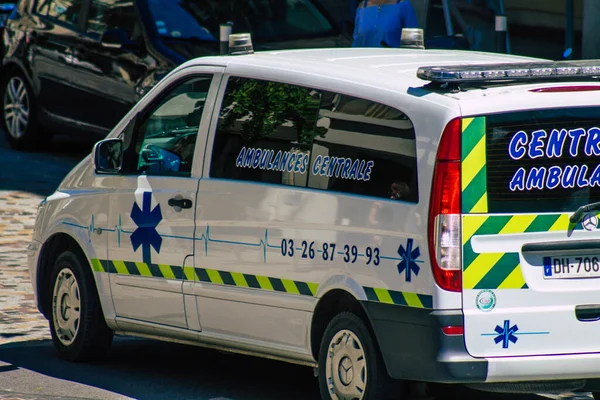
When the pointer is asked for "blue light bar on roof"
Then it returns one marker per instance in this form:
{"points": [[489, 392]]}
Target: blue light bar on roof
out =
{"points": [[510, 72]]}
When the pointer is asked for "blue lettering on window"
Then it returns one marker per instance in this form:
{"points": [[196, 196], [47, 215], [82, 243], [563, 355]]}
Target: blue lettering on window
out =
{"points": [[326, 161], [595, 177], [248, 158], [317, 164], [518, 180], [353, 170], [346, 170], [256, 159], [556, 142], [284, 160], [536, 144], [592, 143], [535, 178], [292, 161], [516, 147], [575, 135], [582, 181], [331, 166], [271, 165], [361, 168], [298, 165], [569, 176], [266, 154], [304, 163], [368, 169], [338, 167], [239, 162], [276, 161], [553, 177]]}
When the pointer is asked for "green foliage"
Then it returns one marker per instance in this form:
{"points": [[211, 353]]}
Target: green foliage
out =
{"points": [[262, 107]]}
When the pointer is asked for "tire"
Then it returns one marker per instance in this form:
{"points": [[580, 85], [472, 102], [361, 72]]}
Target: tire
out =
{"points": [[19, 114], [338, 363], [77, 324]]}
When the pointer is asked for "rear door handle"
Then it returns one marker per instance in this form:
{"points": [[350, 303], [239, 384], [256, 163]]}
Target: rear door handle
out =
{"points": [[180, 203], [588, 312]]}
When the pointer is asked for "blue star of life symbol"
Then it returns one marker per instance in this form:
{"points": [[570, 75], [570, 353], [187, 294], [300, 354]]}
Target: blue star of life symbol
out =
{"points": [[506, 334], [146, 220], [408, 265]]}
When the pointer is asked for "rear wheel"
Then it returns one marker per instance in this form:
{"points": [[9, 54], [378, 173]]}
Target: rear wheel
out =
{"points": [[21, 128], [77, 324], [350, 364]]}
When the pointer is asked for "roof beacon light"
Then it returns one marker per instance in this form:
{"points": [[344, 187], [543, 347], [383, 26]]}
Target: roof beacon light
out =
{"points": [[511, 72], [412, 38], [240, 43]]}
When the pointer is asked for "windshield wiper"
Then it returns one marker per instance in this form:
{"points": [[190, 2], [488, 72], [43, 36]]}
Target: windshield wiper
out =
{"points": [[576, 217]]}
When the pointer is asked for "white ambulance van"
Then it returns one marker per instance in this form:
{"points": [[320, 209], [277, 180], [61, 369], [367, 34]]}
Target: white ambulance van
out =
{"points": [[384, 215]]}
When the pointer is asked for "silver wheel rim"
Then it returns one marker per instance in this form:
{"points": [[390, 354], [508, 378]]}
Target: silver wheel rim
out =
{"points": [[16, 107], [66, 307], [346, 367]]}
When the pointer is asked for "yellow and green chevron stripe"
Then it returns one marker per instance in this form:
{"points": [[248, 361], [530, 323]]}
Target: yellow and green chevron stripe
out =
{"points": [[473, 166], [502, 270], [250, 281]]}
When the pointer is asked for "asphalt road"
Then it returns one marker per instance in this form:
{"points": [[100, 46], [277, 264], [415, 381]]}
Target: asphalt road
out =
{"points": [[135, 368]]}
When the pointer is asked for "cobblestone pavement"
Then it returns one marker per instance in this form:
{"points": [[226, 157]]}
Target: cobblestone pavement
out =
{"points": [[19, 317]]}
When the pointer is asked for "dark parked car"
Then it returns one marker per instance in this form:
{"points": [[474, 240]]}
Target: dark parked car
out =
{"points": [[77, 66]]}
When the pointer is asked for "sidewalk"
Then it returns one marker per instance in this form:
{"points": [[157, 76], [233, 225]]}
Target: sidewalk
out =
{"points": [[19, 317]]}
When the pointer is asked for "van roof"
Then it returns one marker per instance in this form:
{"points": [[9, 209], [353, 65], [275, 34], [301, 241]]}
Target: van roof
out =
{"points": [[387, 68]]}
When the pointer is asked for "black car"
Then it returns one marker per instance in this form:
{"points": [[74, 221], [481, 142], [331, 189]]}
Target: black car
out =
{"points": [[77, 66]]}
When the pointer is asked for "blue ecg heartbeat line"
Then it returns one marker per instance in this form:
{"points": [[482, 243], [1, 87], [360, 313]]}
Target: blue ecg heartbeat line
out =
{"points": [[507, 334]]}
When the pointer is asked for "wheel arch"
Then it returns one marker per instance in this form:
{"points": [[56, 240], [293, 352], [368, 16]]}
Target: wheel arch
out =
{"points": [[51, 249], [13, 65], [330, 304]]}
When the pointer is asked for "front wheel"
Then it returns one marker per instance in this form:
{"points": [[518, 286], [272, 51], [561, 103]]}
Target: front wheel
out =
{"points": [[350, 364], [77, 324]]}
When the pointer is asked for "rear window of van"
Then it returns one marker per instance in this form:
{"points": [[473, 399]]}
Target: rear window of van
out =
{"points": [[543, 160]]}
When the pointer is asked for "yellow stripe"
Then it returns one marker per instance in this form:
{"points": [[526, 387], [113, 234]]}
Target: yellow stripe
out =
{"points": [[166, 271], [314, 287], [97, 265], [481, 205], [190, 274], [120, 267], [143, 268], [214, 276], [466, 122], [470, 224], [514, 280], [473, 163], [413, 300], [561, 224], [290, 286], [384, 296], [518, 224], [264, 283], [239, 279], [479, 268]]}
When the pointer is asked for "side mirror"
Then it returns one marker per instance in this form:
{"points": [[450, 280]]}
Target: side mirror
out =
{"points": [[117, 39], [108, 156]]}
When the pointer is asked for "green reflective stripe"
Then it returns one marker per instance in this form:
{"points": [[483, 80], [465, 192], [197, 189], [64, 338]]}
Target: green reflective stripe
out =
{"points": [[97, 265], [407, 299]]}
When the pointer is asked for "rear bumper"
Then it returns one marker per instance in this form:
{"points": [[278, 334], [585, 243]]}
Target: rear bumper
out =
{"points": [[415, 348]]}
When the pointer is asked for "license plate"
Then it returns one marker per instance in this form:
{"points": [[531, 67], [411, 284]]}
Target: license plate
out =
{"points": [[572, 267]]}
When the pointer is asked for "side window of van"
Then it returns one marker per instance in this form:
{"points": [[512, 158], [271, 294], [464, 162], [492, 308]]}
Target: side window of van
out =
{"points": [[289, 135], [65, 11]]}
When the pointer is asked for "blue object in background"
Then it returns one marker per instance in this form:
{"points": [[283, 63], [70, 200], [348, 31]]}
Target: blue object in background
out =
{"points": [[381, 25]]}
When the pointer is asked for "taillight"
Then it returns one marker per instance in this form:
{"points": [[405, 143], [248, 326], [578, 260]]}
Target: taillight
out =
{"points": [[445, 209], [453, 330]]}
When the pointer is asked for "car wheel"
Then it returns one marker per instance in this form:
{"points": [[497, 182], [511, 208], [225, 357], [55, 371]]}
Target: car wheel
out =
{"points": [[77, 324], [350, 363], [19, 122]]}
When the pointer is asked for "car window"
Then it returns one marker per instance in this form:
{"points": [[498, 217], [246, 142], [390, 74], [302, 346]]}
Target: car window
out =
{"points": [[266, 20], [165, 137], [110, 14], [66, 11], [277, 133]]}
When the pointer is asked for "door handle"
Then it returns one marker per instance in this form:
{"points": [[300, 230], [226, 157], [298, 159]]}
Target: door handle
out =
{"points": [[180, 203], [588, 312]]}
